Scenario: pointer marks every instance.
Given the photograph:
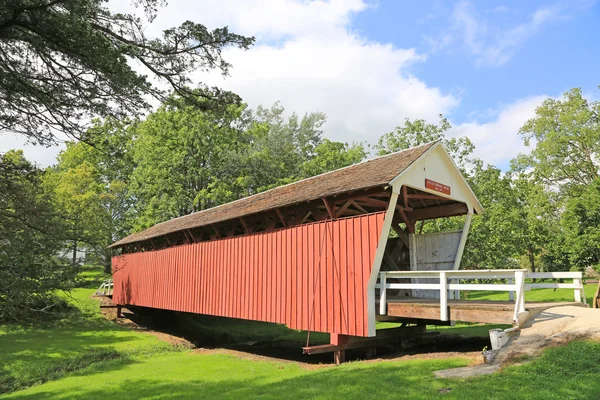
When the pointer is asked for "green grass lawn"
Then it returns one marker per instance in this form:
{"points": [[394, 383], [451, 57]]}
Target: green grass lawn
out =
{"points": [[33, 354], [536, 295], [88, 357], [91, 276]]}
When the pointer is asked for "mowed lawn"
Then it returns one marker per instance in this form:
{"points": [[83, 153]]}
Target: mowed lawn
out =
{"points": [[88, 357], [539, 295]]}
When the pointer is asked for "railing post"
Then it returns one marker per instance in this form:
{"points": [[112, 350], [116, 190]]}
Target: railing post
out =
{"points": [[511, 294], [577, 292], [520, 301], [382, 293], [443, 296]]}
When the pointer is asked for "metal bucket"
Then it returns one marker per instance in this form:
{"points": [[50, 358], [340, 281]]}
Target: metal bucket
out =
{"points": [[488, 356]]}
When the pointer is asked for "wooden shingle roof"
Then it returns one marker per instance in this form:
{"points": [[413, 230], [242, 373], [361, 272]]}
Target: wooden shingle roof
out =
{"points": [[367, 174]]}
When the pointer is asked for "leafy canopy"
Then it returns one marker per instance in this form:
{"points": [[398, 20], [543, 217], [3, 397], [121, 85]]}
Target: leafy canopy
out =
{"points": [[64, 62], [565, 140], [32, 236]]}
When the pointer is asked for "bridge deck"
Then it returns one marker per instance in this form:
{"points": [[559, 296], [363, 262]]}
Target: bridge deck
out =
{"points": [[482, 311]]}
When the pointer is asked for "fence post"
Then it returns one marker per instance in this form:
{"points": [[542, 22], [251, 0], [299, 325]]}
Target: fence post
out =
{"points": [[443, 296], [511, 293], [520, 302], [577, 292], [382, 293]]}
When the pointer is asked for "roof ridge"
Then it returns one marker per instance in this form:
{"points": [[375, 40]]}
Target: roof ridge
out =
{"points": [[349, 178], [301, 180]]}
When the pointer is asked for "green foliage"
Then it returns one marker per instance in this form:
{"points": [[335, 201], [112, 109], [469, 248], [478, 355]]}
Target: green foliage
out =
{"points": [[581, 223], [539, 295], [64, 62], [187, 159], [32, 236], [418, 132], [90, 187], [34, 354], [566, 135], [562, 168]]}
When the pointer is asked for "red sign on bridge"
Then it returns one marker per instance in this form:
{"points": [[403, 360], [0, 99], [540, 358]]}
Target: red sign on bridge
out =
{"points": [[438, 187]]}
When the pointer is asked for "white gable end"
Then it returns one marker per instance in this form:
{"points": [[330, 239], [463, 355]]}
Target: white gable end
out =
{"points": [[436, 173]]}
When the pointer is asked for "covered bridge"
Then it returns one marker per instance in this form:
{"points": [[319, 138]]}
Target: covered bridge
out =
{"points": [[308, 254]]}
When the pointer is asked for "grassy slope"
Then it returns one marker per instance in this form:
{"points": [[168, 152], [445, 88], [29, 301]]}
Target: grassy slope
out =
{"points": [[30, 355], [538, 294], [567, 372], [89, 357]]}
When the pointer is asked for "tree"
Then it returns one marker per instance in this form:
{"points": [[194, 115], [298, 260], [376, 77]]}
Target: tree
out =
{"points": [[188, 159], [565, 136], [64, 62], [32, 236], [180, 152], [581, 221], [418, 132], [329, 156]]}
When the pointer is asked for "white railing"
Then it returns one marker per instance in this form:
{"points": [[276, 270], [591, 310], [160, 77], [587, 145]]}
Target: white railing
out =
{"points": [[515, 277], [577, 285], [106, 288]]}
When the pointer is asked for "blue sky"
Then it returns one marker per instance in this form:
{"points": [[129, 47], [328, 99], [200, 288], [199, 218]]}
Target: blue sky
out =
{"points": [[549, 57], [370, 64]]}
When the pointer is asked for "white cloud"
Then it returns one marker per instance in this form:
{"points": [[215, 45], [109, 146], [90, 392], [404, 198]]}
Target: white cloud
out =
{"points": [[308, 57], [493, 45], [498, 141]]}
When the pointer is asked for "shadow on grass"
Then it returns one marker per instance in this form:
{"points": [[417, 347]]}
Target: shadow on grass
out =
{"points": [[36, 356], [551, 376], [278, 341], [366, 381], [37, 353]]}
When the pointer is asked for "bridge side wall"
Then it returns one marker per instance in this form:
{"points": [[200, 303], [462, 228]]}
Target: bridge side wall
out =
{"points": [[309, 277]]}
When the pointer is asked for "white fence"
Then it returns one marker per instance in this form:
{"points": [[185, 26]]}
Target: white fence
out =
{"points": [[516, 285], [106, 289]]}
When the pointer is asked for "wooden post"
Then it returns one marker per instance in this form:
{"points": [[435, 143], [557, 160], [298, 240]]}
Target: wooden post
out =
{"points": [[463, 239], [520, 301], [382, 293], [383, 237], [339, 356], [443, 296], [577, 281], [511, 294], [119, 308]]}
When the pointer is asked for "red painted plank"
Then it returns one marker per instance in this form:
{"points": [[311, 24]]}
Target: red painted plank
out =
{"points": [[277, 276]]}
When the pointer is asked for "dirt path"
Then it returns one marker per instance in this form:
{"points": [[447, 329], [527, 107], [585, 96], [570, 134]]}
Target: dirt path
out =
{"points": [[552, 327]]}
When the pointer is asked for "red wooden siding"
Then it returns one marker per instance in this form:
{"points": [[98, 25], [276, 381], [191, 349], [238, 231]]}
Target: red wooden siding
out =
{"points": [[273, 276]]}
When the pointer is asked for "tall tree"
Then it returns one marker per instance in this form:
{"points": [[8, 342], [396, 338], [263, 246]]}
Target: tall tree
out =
{"points": [[180, 152], [32, 236], [63, 62], [91, 187], [581, 221], [565, 140], [418, 132], [188, 159]]}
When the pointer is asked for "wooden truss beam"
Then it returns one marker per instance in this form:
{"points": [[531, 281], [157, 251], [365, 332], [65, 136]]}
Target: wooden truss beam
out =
{"points": [[247, 229], [342, 209], [280, 215], [329, 208], [423, 196], [448, 210]]}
